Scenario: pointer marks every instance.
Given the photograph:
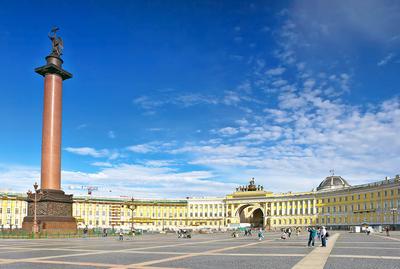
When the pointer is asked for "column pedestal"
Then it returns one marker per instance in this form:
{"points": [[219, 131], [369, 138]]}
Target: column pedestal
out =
{"points": [[53, 212]]}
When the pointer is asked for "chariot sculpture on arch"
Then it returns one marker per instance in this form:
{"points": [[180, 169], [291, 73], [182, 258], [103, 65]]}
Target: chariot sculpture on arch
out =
{"points": [[56, 42]]}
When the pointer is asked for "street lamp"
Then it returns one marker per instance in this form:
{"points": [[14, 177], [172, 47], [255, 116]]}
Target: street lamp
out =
{"points": [[393, 212], [35, 225], [132, 207]]}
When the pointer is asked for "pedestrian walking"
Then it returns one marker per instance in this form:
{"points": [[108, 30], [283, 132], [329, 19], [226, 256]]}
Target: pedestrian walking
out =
{"points": [[85, 232], [289, 232], [284, 236], [121, 235], [323, 236], [312, 233], [260, 234], [387, 229]]}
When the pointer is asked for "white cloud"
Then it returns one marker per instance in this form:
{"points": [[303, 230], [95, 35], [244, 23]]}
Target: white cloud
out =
{"points": [[111, 134], [125, 179], [159, 163], [387, 59], [276, 71], [101, 164], [228, 131], [87, 151], [231, 98], [81, 126], [142, 148]]}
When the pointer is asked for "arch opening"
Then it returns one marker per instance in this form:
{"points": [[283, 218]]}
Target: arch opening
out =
{"points": [[251, 215]]}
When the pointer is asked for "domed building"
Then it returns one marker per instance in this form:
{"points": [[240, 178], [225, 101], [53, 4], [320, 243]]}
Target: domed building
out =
{"points": [[332, 183]]}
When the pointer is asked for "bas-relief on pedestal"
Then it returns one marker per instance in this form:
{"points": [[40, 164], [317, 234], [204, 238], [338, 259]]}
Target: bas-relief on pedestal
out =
{"points": [[54, 207]]}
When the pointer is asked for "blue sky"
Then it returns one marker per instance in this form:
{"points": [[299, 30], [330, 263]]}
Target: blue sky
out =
{"points": [[185, 98]]}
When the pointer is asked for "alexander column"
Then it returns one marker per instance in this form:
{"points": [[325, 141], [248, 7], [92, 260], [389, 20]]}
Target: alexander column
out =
{"points": [[49, 208]]}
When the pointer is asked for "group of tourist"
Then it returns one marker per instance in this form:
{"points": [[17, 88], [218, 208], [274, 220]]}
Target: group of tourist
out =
{"points": [[319, 233]]}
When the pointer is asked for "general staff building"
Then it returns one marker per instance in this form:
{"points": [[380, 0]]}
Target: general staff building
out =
{"points": [[334, 203]]}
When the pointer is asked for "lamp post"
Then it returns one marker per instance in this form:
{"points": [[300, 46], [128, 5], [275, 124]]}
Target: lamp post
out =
{"points": [[393, 212], [35, 226], [132, 207]]}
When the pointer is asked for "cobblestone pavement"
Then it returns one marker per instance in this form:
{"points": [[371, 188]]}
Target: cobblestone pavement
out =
{"points": [[203, 251]]}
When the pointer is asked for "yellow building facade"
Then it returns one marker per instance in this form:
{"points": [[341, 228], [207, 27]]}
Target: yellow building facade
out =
{"points": [[334, 203], [13, 209]]}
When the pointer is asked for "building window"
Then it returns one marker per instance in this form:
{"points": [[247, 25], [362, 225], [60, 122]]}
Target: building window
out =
{"points": [[385, 193], [391, 192], [365, 196], [352, 197], [8, 210], [16, 211], [358, 197], [372, 195]]}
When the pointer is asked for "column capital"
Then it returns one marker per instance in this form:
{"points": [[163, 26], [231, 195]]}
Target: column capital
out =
{"points": [[53, 66]]}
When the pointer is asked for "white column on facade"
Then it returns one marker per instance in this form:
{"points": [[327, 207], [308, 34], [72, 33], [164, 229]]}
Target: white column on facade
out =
{"points": [[286, 211], [308, 207], [314, 211], [292, 208], [272, 208], [298, 207]]}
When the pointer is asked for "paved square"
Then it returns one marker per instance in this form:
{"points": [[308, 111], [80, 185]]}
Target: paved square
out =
{"points": [[203, 252]]}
